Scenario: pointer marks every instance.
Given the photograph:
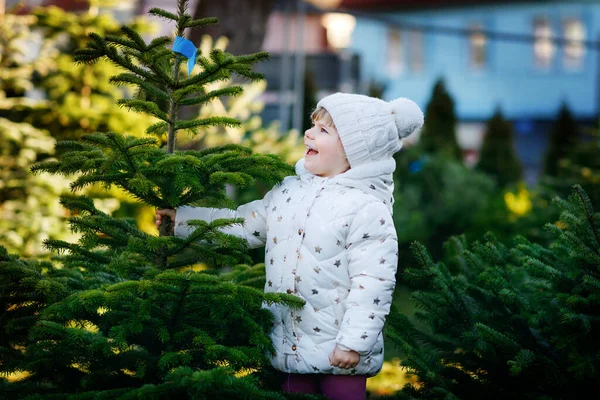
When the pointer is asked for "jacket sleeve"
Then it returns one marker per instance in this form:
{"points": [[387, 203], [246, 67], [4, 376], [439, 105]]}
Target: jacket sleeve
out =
{"points": [[254, 214], [372, 253]]}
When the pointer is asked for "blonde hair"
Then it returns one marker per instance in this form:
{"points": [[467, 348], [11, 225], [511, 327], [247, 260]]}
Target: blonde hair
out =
{"points": [[321, 114]]}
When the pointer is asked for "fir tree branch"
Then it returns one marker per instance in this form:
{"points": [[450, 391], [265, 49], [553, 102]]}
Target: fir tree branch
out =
{"points": [[132, 79], [193, 124], [159, 129], [79, 204], [97, 48], [134, 37], [148, 107], [104, 178], [210, 74], [202, 22], [230, 91], [62, 246], [159, 12], [118, 142], [119, 41], [159, 43], [589, 213]]}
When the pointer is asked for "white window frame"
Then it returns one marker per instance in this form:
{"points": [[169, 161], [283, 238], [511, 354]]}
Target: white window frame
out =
{"points": [[478, 47], [574, 49], [416, 47], [544, 47], [395, 63]]}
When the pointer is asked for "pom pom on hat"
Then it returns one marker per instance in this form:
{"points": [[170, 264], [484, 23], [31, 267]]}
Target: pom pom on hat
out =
{"points": [[371, 129], [409, 117]]}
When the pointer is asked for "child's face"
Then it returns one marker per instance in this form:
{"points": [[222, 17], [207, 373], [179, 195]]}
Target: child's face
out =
{"points": [[324, 154]]}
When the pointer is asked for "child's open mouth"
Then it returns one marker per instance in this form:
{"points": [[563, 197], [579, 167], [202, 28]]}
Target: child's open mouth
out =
{"points": [[310, 151]]}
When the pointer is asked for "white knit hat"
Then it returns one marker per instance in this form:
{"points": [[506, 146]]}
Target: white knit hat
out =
{"points": [[371, 129]]}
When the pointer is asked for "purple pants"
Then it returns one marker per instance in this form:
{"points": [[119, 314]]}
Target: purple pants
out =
{"points": [[335, 387]]}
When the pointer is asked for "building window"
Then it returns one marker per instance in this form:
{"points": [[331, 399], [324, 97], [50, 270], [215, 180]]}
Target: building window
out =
{"points": [[543, 45], [478, 42], [574, 48], [395, 53], [416, 57]]}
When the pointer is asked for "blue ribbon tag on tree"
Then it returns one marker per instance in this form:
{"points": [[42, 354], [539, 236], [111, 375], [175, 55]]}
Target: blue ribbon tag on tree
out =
{"points": [[186, 48]]}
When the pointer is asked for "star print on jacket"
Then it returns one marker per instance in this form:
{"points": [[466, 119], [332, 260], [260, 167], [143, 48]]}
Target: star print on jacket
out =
{"points": [[367, 242]]}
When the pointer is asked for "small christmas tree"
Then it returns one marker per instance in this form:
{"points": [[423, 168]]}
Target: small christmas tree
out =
{"points": [[572, 157], [432, 195], [144, 323], [498, 156], [563, 139], [500, 322], [439, 131]]}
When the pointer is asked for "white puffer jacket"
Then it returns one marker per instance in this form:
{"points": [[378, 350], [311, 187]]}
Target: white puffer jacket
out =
{"points": [[332, 242]]}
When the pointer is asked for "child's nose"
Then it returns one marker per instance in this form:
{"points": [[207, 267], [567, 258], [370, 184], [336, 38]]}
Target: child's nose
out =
{"points": [[309, 133]]}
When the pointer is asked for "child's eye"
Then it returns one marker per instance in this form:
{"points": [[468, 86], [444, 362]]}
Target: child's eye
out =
{"points": [[324, 130]]}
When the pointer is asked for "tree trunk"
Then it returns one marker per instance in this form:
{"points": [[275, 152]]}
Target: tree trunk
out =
{"points": [[244, 23]]}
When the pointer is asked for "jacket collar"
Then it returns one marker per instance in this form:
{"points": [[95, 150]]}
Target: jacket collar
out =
{"points": [[375, 177]]}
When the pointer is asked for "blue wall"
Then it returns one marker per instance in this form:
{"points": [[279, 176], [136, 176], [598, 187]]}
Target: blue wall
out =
{"points": [[510, 80]]}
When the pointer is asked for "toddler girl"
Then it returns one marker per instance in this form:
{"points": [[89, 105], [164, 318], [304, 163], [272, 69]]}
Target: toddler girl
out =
{"points": [[330, 239]]}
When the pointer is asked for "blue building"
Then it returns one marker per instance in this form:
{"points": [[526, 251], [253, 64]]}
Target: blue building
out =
{"points": [[525, 58]]}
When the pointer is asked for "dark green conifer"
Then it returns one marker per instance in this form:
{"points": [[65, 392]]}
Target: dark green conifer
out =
{"points": [[563, 139], [498, 321], [498, 156], [439, 131]]}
